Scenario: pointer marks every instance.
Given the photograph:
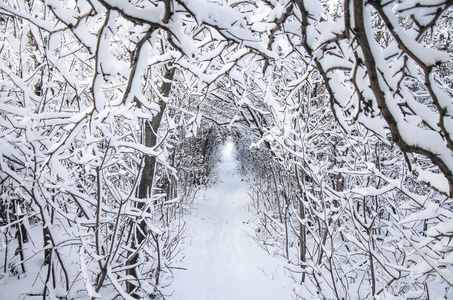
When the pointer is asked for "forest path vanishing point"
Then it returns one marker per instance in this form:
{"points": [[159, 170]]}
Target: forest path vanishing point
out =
{"points": [[222, 260]]}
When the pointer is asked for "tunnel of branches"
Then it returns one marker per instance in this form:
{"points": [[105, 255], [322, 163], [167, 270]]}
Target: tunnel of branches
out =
{"points": [[114, 114]]}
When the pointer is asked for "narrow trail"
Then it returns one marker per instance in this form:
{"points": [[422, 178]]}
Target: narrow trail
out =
{"points": [[222, 260]]}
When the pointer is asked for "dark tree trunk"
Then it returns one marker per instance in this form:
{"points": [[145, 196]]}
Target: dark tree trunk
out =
{"points": [[146, 181]]}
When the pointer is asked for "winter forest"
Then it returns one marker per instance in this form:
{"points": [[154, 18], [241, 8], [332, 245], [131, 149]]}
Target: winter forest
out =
{"points": [[114, 114]]}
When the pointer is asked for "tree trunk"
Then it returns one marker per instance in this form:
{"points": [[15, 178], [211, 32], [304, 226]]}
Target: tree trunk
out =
{"points": [[146, 181]]}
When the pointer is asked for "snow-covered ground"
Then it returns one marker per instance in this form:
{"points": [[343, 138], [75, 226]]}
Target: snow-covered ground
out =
{"points": [[222, 260]]}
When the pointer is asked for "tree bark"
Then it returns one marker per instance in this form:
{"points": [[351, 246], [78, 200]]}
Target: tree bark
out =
{"points": [[146, 181]]}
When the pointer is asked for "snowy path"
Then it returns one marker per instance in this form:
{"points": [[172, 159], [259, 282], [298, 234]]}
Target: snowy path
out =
{"points": [[222, 260]]}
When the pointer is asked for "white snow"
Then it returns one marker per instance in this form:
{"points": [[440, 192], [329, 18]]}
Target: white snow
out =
{"points": [[222, 260]]}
